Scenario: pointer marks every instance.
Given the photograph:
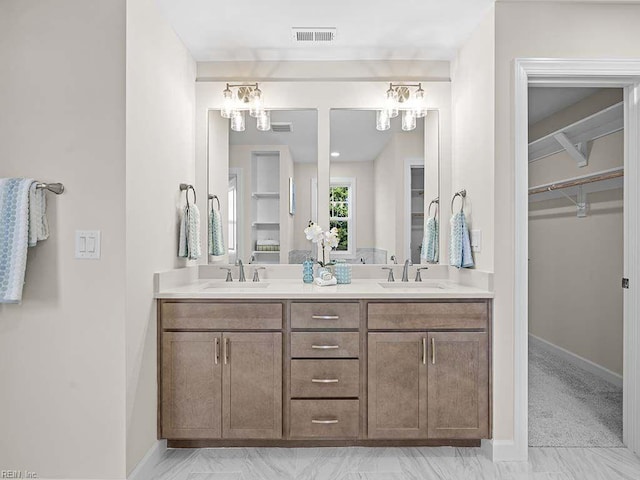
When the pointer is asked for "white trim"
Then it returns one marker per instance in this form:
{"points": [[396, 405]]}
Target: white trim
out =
{"points": [[500, 450], [571, 72], [144, 468], [580, 362]]}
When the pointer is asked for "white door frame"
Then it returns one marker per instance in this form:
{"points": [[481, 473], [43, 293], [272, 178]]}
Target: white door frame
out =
{"points": [[571, 72]]}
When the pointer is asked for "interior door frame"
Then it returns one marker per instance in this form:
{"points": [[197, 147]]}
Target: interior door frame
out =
{"points": [[572, 72]]}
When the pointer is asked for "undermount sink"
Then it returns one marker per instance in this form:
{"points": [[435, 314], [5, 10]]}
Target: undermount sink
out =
{"points": [[237, 285], [416, 285]]}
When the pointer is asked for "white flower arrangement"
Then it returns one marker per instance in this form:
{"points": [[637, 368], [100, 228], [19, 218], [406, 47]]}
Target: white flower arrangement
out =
{"points": [[324, 239]]}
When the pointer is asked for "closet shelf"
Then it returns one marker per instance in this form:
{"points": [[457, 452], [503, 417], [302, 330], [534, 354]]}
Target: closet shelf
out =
{"points": [[604, 122], [591, 183], [261, 252]]}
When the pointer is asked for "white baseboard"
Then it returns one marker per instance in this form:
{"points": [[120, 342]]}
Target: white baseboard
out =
{"points": [[577, 360], [503, 451], [143, 470]]}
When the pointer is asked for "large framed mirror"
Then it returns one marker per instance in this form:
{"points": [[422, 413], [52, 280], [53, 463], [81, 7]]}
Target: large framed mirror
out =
{"points": [[384, 188], [263, 187]]}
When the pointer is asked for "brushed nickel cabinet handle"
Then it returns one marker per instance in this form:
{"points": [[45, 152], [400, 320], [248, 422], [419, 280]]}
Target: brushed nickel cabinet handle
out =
{"points": [[216, 354], [433, 351], [226, 351], [325, 317], [324, 380], [424, 351], [324, 422], [325, 347]]}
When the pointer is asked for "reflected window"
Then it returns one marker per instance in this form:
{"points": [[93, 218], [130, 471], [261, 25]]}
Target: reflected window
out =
{"points": [[232, 200], [342, 212]]}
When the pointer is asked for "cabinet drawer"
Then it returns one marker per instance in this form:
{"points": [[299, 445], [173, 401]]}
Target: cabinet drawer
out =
{"points": [[325, 315], [425, 316], [324, 418], [325, 378], [222, 316], [325, 344]]}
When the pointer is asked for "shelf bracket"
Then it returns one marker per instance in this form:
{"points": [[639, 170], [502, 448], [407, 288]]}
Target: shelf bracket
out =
{"points": [[578, 152], [580, 202]]}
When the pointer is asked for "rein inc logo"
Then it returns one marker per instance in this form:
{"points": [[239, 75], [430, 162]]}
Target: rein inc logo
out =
{"points": [[17, 474]]}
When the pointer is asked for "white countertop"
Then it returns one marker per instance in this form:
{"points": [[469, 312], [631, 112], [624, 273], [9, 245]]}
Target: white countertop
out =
{"points": [[296, 289]]}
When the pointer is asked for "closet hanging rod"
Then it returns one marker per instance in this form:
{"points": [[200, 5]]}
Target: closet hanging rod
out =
{"points": [[56, 188], [576, 182]]}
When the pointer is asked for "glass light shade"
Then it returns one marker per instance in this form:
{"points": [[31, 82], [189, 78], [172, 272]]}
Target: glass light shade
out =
{"points": [[256, 106], [228, 103], [237, 121], [264, 121], [391, 103], [420, 104], [408, 120], [383, 122]]}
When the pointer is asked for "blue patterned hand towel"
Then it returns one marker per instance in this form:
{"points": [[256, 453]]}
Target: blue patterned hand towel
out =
{"points": [[216, 239], [430, 241], [23, 223], [459, 243], [189, 245]]}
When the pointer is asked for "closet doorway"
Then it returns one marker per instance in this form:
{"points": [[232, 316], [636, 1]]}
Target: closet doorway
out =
{"points": [[575, 264]]}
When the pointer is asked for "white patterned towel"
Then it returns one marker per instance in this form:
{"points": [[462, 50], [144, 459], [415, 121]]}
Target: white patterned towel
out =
{"points": [[216, 239], [189, 245], [459, 243], [23, 223], [430, 241]]}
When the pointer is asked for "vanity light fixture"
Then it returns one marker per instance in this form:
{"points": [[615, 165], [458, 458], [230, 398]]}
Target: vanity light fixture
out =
{"points": [[242, 97], [400, 98]]}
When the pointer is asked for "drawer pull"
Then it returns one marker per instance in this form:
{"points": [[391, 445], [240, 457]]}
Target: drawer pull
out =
{"points": [[325, 347], [216, 353], [433, 350], [424, 351], [324, 380], [325, 317], [325, 422]]}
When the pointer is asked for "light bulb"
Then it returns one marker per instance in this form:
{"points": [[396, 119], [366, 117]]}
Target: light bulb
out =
{"points": [[264, 121], [408, 120], [420, 103], [237, 121], [391, 103], [257, 104], [228, 103], [383, 122]]}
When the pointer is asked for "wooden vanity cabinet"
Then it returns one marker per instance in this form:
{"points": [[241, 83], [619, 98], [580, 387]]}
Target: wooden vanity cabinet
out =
{"points": [[221, 384]]}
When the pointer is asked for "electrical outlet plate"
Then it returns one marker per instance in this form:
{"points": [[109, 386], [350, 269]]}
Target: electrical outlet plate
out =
{"points": [[88, 244]]}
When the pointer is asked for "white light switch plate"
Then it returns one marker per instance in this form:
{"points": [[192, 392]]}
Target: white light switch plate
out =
{"points": [[476, 240], [88, 244]]}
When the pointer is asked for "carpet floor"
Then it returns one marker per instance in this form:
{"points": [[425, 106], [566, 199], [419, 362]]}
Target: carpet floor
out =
{"points": [[570, 407]]}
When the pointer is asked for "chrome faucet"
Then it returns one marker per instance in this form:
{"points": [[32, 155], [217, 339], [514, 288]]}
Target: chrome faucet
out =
{"points": [[394, 259], [241, 271], [405, 270], [390, 277]]}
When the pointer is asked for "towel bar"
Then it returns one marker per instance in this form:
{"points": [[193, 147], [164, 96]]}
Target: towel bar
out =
{"points": [[56, 188], [462, 194], [211, 197]]}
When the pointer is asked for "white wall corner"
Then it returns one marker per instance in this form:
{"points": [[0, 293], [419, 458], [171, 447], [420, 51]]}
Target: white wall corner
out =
{"points": [[503, 451], [144, 469]]}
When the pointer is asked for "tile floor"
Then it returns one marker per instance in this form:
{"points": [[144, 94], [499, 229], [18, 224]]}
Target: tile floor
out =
{"points": [[358, 463]]}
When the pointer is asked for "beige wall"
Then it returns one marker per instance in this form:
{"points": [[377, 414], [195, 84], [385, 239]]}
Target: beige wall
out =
{"points": [[543, 30], [304, 174], [160, 155], [62, 363], [473, 105]]}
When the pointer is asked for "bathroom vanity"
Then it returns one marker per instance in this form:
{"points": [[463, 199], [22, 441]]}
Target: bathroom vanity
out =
{"points": [[356, 364]]}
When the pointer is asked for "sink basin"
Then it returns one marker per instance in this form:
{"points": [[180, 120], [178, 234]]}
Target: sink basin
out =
{"points": [[237, 285], [416, 285]]}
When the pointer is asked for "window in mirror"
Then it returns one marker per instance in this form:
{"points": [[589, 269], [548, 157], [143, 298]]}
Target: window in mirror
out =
{"points": [[342, 213]]}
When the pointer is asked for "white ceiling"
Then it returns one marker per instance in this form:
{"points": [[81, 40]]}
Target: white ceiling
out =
{"points": [[544, 102], [366, 30], [353, 134]]}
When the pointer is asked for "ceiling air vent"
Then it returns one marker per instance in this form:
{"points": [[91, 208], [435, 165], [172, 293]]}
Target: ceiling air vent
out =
{"points": [[314, 36], [281, 127]]}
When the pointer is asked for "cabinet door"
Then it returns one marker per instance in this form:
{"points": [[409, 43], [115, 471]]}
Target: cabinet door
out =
{"points": [[458, 384], [397, 385], [191, 385], [252, 385]]}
